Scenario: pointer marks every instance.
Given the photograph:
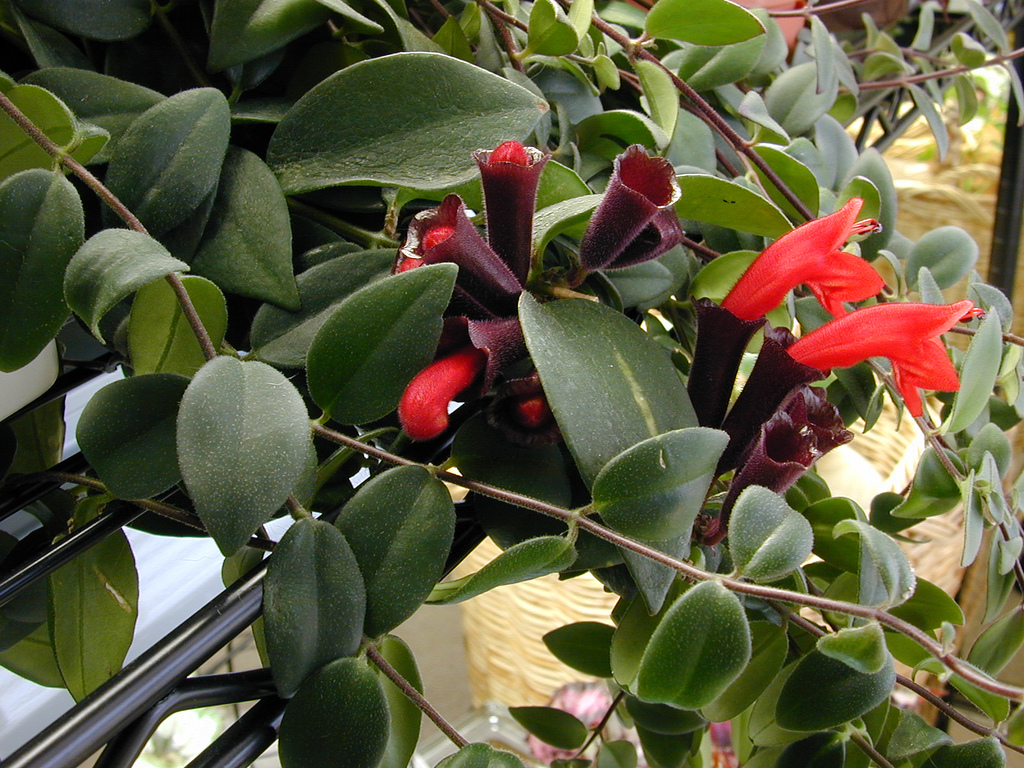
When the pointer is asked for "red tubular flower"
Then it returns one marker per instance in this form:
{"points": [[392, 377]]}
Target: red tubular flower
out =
{"points": [[809, 255], [423, 409], [635, 221], [907, 334]]}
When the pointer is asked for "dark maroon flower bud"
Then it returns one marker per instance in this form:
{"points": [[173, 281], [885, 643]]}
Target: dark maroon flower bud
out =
{"points": [[635, 220], [510, 175], [721, 340], [521, 412]]}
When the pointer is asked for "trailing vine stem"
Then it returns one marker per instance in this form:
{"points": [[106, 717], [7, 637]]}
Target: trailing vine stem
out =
{"points": [[811, 10], [108, 197], [415, 696], [596, 730], [881, 85], [691, 572]]}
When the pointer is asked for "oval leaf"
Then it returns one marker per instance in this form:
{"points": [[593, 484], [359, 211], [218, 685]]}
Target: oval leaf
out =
{"points": [[768, 539], [348, 695], [980, 753], [999, 643], [110, 266], [769, 645], [481, 756], [655, 489], [378, 338], [405, 715], [609, 385], [552, 726], [727, 204], [127, 432], [862, 648], [400, 526], [41, 227], [313, 603], [948, 252], [584, 646], [704, 22], [18, 152], [415, 104], [243, 443], [700, 646], [120, 19], [886, 576], [977, 375]]}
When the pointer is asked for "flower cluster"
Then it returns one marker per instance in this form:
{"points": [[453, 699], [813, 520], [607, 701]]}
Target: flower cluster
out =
{"points": [[634, 222]]}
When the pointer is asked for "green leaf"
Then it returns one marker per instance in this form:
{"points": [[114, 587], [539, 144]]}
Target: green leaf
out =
{"points": [[418, 105], [840, 693], [111, 265], [663, 719], [522, 562], [160, 340], [872, 166], [862, 648], [405, 715], [794, 174], [93, 607], [243, 444], [933, 492], [977, 375], [584, 646], [998, 644], [995, 706], [349, 696], [481, 756], [377, 339], [768, 539], [980, 753], [41, 226], [708, 621], [768, 653], [609, 385], [169, 159], [18, 152], [655, 489], [727, 204], [706, 67], [33, 658], [794, 100], [886, 576], [400, 526], [282, 338], [550, 31], [662, 96], [580, 16], [606, 132], [704, 22], [912, 736], [120, 19], [560, 217], [552, 726], [929, 607], [630, 639], [247, 246], [127, 432], [313, 603], [820, 750]]}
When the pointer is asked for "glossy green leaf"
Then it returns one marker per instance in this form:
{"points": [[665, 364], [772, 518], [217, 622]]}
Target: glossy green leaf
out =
{"points": [[400, 526], [886, 576], [416, 104], [525, 561], [18, 152], [662, 96], [912, 736], [661, 718], [753, 108], [999, 643], [862, 648], [41, 227], [821, 750], [872, 166], [929, 607], [704, 22], [980, 753], [282, 338], [634, 630], [794, 100], [977, 375], [247, 246], [584, 646], [243, 444], [110, 266], [606, 132], [377, 339], [160, 340], [727, 204], [120, 19], [127, 432], [794, 174], [933, 492], [990, 439], [313, 603], [949, 252], [617, 754], [995, 706], [560, 217], [169, 159], [768, 539], [93, 607], [768, 653], [405, 715], [33, 659], [839, 693], [704, 67], [708, 622], [655, 489], [654, 579], [550, 31], [347, 694], [552, 726], [481, 756], [609, 385]]}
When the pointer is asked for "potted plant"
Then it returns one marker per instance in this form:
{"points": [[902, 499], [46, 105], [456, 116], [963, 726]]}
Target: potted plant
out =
{"points": [[621, 274]]}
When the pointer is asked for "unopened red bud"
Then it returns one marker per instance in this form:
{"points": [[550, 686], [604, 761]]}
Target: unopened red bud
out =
{"points": [[408, 263], [510, 152], [423, 409], [436, 236], [533, 412]]}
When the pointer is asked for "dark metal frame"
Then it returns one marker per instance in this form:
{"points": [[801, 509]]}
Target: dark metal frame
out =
{"points": [[121, 715]]}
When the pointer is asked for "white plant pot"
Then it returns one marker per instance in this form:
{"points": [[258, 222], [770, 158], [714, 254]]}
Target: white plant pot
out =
{"points": [[19, 388]]}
